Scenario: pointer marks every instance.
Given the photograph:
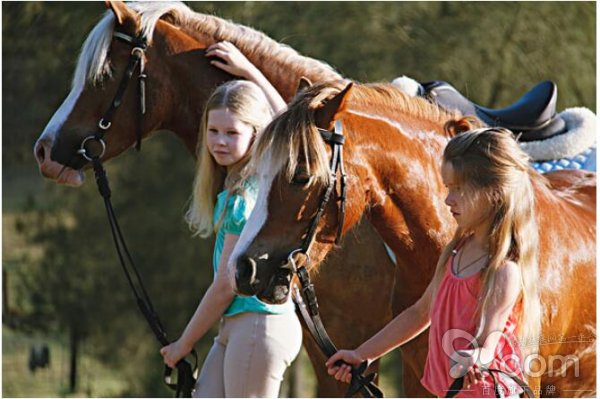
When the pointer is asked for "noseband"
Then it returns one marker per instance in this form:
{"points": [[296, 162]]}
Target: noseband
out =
{"points": [[139, 45]]}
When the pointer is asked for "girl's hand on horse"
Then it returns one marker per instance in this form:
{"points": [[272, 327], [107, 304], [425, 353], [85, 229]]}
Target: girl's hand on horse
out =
{"points": [[173, 353], [235, 63], [342, 373]]}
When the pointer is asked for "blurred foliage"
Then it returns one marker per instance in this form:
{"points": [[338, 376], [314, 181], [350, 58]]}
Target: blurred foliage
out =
{"points": [[492, 51]]}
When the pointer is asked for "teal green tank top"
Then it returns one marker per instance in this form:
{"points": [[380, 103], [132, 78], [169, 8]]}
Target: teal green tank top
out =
{"points": [[237, 211]]}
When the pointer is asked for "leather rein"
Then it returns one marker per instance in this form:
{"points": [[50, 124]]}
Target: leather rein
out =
{"points": [[309, 307], [92, 148]]}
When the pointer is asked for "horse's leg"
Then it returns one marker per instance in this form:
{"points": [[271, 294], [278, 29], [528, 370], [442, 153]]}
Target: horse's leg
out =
{"points": [[414, 352], [354, 287]]}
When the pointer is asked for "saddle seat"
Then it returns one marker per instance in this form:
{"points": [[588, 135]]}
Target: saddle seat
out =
{"points": [[533, 116]]}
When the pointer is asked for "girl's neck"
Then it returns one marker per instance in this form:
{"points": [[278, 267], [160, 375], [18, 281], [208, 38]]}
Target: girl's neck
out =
{"points": [[481, 235]]}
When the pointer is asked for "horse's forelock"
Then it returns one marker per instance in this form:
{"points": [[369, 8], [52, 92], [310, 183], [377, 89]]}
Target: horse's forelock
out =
{"points": [[288, 136], [93, 63]]}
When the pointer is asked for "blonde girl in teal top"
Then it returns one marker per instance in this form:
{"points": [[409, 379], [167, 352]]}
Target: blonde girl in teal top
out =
{"points": [[256, 341]]}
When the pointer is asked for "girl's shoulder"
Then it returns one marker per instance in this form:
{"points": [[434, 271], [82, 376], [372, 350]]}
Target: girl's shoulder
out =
{"points": [[509, 271], [239, 206], [250, 185], [508, 280]]}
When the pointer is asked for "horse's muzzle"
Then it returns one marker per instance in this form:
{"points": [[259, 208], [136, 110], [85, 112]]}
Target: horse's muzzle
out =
{"points": [[254, 279]]}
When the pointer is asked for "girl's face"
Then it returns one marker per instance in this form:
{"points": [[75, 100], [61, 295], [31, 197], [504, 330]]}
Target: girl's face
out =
{"points": [[228, 139], [471, 210]]}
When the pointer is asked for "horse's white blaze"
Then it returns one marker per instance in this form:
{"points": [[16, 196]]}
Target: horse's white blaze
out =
{"points": [[61, 114], [257, 218]]}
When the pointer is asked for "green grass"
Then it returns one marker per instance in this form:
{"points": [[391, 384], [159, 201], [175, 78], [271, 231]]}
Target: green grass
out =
{"points": [[94, 379]]}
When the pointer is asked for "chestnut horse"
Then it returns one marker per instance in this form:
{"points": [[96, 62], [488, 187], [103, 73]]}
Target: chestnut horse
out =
{"points": [[392, 154], [180, 79]]}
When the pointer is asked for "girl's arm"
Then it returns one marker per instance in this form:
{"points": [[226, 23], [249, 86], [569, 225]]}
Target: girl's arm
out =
{"points": [[507, 288], [237, 64], [212, 306], [404, 327]]}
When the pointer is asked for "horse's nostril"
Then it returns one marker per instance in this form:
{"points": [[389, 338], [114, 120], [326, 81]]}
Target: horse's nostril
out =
{"points": [[252, 267], [40, 153], [247, 272]]}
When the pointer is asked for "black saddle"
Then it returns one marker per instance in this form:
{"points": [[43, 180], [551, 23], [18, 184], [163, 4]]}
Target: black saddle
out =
{"points": [[533, 116]]}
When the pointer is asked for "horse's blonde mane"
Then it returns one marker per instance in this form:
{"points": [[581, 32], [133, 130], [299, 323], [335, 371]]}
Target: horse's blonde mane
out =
{"points": [[93, 64], [293, 135], [388, 100]]}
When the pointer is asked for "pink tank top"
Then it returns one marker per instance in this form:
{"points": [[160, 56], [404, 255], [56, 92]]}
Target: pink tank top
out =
{"points": [[453, 327]]}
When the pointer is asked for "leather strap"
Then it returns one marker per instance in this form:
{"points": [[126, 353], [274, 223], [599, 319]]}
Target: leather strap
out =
{"points": [[185, 372], [457, 385], [310, 313]]}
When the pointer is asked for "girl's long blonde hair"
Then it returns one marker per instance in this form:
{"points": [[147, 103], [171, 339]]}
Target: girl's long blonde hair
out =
{"points": [[489, 162], [247, 102]]}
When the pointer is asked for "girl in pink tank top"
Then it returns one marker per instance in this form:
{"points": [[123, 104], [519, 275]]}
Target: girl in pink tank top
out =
{"points": [[485, 280]]}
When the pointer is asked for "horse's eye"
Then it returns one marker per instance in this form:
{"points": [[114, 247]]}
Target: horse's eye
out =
{"points": [[302, 178]]}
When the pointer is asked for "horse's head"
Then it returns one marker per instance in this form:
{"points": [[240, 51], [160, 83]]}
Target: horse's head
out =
{"points": [[104, 98], [292, 160]]}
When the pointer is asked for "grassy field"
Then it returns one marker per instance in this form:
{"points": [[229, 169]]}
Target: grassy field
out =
{"points": [[95, 380]]}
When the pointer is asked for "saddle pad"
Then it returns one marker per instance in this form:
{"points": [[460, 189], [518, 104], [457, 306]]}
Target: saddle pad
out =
{"points": [[586, 160]]}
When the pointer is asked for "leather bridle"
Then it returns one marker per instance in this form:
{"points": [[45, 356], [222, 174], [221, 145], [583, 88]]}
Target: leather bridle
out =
{"points": [[308, 306], [136, 60], [186, 373]]}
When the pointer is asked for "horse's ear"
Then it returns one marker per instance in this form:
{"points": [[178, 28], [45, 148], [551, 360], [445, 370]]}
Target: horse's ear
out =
{"points": [[303, 84], [326, 115], [122, 12]]}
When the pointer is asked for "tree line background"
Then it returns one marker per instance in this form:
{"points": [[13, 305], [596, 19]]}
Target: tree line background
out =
{"points": [[61, 279]]}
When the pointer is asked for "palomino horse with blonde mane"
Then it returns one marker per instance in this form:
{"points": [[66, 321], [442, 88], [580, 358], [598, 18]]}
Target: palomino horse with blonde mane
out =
{"points": [[179, 81], [392, 153]]}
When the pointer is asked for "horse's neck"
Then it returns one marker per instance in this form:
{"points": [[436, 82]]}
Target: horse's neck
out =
{"points": [[281, 65], [190, 92], [405, 190], [285, 75]]}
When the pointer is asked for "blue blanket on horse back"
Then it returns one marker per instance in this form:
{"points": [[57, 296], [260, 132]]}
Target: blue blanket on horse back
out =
{"points": [[574, 149]]}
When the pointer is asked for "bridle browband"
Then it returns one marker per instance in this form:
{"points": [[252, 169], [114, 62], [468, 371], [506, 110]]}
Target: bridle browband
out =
{"points": [[185, 372], [309, 307]]}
